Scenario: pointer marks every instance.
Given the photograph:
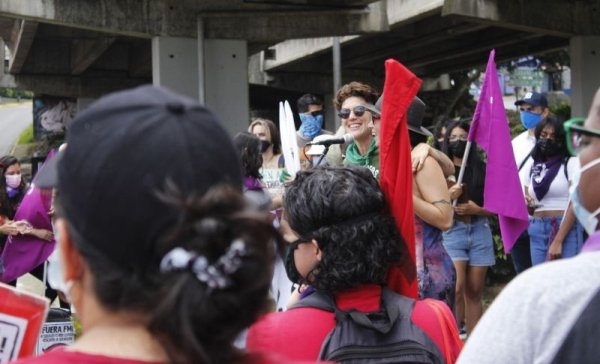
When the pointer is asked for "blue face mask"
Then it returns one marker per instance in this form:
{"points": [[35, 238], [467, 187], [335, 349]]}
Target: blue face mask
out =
{"points": [[311, 125], [588, 220], [530, 119]]}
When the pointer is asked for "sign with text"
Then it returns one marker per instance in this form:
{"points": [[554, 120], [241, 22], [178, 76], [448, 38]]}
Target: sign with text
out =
{"points": [[12, 330], [54, 335], [21, 317]]}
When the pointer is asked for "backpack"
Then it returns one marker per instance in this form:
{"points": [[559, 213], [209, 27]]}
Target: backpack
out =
{"points": [[385, 336]]}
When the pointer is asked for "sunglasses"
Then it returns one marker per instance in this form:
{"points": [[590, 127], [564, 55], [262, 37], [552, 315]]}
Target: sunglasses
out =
{"points": [[577, 135], [358, 110], [315, 113]]}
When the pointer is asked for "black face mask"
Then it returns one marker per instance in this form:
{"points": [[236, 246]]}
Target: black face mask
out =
{"points": [[457, 148], [264, 145], [548, 147], [289, 262]]}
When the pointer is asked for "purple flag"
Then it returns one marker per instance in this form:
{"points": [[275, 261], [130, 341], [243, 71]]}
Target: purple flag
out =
{"points": [[23, 253], [503, 194]]}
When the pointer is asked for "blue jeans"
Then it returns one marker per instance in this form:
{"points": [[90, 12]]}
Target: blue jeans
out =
{"points": [[540, 229], [520, 253]]}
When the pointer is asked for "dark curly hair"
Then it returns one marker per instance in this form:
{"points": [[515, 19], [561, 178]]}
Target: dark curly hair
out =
{"points": [[344, 210], [194, 323], [248, 148], [357, 89]]}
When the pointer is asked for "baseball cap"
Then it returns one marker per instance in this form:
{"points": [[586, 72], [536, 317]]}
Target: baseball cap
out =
{"points": [[414, 115], [123, 152], [533, 98]]}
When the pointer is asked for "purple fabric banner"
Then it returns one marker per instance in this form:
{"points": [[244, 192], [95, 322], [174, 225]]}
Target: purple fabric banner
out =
{"points": [[503, 194], [23, 253]]}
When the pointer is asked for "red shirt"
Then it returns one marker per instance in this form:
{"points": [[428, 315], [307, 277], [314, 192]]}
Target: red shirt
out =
{"points": [[61, 356], [299, 333]]}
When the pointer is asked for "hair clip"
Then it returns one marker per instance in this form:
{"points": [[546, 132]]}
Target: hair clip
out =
{"points": [[214, 275]]}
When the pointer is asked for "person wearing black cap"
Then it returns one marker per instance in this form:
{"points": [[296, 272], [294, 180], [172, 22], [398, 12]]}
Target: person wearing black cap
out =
{"points": [[533, 107], [433, 213], [156, 249]]}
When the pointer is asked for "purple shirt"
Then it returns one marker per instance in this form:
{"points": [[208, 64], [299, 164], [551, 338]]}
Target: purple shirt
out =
{"points": [[592, 243]]}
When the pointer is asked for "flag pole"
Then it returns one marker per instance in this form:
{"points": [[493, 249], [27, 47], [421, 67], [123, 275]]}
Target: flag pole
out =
{"points": [[461, 173]]}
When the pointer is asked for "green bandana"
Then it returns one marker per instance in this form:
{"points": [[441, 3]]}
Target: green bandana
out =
{"points": [[370, 160]]}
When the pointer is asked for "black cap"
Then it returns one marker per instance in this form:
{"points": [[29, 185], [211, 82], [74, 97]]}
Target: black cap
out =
{"points": [[414, 114], [533, 98], [121, 153]]}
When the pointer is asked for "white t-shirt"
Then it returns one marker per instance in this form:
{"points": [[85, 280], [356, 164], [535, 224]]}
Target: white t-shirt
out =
{"points": [[557, 197], [522, 145], [533, 315]]}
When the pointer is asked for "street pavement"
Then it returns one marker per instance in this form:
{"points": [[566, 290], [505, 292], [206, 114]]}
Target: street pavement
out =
{"points": [[14, 118]]}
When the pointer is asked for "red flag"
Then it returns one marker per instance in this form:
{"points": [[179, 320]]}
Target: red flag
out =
{"points": [[400, 88]]}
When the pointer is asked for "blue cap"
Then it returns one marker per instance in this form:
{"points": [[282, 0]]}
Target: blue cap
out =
{"points": [[533, 98]]}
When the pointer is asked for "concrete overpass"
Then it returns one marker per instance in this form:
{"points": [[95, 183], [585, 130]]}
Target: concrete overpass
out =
{"points": [[436, 37], [85, 48], [210, 49]]}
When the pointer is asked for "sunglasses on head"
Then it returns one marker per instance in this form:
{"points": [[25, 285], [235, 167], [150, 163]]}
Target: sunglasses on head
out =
{"points": [[358, 110]]}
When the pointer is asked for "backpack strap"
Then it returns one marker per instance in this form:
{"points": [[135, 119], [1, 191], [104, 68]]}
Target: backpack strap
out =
{"points": [[317, 300], [394, 306], [525, 159]]}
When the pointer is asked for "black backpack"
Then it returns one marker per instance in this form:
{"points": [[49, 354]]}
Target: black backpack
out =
{"points": [[385, 336]]}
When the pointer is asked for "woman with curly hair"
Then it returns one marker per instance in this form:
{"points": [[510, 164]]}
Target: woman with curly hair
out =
{"points": [[355, 103], [344, 242]]}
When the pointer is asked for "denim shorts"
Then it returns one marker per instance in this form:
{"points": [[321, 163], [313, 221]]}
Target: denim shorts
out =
{"points": [[471, 242]]}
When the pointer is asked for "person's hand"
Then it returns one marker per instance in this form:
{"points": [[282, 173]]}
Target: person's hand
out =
{"points": [[555, 249], [9, 228], [469, 208], [42, 234], [418, 156], [531, 206], [23, 226], [455, 191]]}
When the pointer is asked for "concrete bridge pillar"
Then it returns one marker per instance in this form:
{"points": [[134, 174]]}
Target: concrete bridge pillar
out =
{"points": [[212, 71], [585, 74]]}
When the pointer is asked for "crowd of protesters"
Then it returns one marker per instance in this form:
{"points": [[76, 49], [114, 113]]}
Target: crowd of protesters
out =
{"points": [[236, 241]]}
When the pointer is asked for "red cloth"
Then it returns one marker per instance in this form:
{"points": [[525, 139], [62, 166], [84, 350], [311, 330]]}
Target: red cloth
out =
{"points": [[399, 90], [60, 356], [299, 333]]}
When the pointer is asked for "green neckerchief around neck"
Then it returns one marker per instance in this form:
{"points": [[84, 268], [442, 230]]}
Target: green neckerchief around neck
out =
{"points": [[371, 159]]}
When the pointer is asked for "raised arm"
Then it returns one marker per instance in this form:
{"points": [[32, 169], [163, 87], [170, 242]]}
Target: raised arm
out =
{"points": [[422, 151]]}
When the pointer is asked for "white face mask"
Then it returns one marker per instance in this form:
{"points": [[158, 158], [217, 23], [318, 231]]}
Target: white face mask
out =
{"points": [[56, 273], [13, 180], [588, 219]]}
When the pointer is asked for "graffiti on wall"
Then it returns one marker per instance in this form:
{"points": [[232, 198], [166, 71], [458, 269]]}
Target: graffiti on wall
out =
{"points": [[52, 115]]}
